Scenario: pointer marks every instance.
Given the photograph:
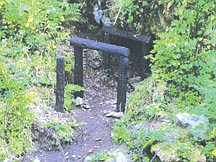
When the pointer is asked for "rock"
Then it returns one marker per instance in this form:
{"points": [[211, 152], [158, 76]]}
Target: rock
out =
{"points": [[191, 122], [134, 82], [88, 159], [145, 125], [117, 155], [117, 115], [168, 152], [78, 101], [36, 160], [86, 106], [98, 139], [73, 156], [100, 17], [98, 14], [166, 155], [95, 65]]}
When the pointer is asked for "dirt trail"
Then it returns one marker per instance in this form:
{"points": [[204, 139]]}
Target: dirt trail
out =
{"points": [[95, 135]]}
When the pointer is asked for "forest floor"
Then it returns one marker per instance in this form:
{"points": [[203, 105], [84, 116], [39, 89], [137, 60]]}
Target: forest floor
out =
{"points": [[96, 134]]}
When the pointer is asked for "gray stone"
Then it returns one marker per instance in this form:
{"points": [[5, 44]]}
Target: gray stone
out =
{"points": [[78, 101], [192, 122], [117, 155], [88, 159], [117, 115], [134, 80], [168, 152], [100, 16], [86, 106], [95, 65]]}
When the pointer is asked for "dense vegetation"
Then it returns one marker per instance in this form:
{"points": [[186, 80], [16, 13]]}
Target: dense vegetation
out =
{"points": [[183, 77], [183, 65], [30, 32]]}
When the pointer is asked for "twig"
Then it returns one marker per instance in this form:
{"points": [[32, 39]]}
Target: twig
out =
{"points": [[117, 15], [158, 150]]}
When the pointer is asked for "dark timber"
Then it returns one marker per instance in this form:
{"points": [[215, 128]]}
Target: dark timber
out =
{"points": [[127, 35], [60, 84], [139, 46], [78, 69], [90, 44], [80, 43]]}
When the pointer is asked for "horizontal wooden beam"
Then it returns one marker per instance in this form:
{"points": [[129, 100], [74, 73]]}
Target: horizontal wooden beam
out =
{"points": [[128, 35], [104, 47]]}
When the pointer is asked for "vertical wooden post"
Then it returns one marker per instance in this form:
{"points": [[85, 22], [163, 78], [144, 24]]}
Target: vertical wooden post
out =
{"points": [[60, 84], [78, 71], [144, 62], [106, 56], [122, 84]]}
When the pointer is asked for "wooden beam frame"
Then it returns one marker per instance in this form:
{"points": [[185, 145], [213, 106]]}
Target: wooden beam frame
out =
{"points": [[123, 52]]}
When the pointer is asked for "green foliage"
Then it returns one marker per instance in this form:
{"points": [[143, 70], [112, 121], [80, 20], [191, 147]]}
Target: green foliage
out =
{"points": [[38, 25], [61, 132], [101, 156], [131, 130], [185, 59], [32, 30], [29, 32], [144, 15], [183, 67], [15, 117], [69, 91]]}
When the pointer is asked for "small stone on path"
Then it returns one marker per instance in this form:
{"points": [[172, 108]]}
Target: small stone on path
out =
{"points": [[117, 115], [98, 139], [86, 106]]}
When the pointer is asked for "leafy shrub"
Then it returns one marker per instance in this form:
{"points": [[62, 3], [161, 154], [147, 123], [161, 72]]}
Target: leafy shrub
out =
{"points": [[15, 117], [101, 156], [149, 16], [183, 61], [29, 32]]}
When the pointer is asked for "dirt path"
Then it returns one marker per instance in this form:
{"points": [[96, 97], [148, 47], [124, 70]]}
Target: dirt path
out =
{"points": [[92, 137], [95, 135]]}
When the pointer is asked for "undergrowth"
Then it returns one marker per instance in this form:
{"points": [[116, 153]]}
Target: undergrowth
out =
{"points": [[30, 32], [183, 81]]}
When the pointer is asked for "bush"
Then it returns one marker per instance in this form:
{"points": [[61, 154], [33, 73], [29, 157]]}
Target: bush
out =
{"points": [[183, 59], [15, 117], [30, 32]]}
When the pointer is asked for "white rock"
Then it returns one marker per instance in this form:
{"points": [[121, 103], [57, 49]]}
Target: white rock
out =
{"points": [[117, 115], [78, 101], [192, 121], [120, 155], [88, 159], [36, 160], [86, 106]]}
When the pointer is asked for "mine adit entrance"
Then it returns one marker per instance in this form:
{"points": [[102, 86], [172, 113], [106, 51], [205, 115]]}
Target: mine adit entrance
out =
{"points": [[123, 53]]}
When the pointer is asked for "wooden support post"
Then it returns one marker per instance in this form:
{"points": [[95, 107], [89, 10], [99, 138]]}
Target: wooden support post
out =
{"points": [[78, 71], [122, 84], [106, 56], [144, 62], [60, 84]]}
